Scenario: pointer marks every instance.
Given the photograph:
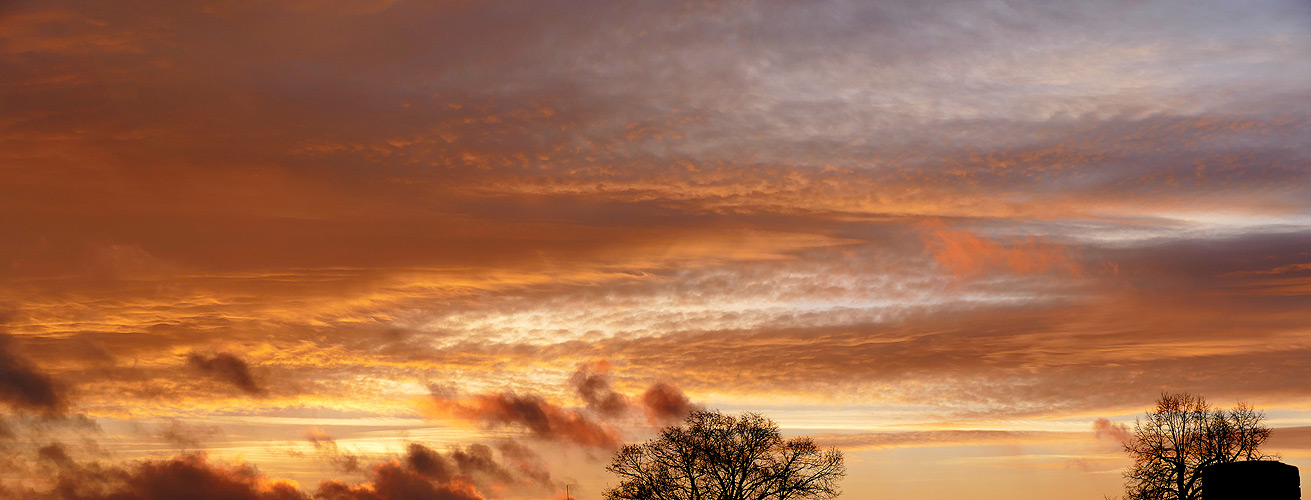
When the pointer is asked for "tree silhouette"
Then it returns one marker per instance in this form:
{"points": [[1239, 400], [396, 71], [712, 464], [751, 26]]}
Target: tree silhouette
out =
{"points": [[713, 456], [1172, 444]]}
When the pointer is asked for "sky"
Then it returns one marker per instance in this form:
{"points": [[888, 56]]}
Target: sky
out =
{"points": [[376, 249]]}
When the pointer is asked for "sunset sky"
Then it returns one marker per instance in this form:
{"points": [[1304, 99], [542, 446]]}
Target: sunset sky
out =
{"points": [[313, 247]]}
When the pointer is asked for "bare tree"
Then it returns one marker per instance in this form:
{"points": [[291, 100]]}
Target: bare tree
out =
{"points": [[1172, 444], [714, 456]]}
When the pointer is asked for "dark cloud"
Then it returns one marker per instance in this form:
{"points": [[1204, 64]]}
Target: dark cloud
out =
{"points": [[229, 369], [24, 387], [592, 426], [423, 473], [477, 463], [666, 404], [592, 383], [532, 413], [56, 454], [186, 476], [394, 481], [477, 460], [428, 462]]}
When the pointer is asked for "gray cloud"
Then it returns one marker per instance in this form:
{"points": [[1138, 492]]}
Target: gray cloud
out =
{"points": [[227, 368]]}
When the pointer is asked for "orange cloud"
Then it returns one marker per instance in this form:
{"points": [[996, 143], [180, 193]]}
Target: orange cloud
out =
{"points": [[966, 254], [1106, 429]]}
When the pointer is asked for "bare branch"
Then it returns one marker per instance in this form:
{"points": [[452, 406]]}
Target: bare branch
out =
{"points": [[1172, 443]]}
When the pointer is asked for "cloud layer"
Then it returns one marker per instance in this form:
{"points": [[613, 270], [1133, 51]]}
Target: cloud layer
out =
{"points": [[958, 217]]}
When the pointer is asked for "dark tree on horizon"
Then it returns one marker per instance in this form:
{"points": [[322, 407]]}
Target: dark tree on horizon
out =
{"points": [[713, 456], [1183, 434]]}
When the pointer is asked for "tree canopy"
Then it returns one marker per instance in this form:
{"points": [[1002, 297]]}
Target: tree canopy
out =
{"points": [[1183, 434], [714, 456]]}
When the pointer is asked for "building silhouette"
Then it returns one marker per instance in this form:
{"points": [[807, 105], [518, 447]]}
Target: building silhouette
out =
{"points": [[1251, 480]]}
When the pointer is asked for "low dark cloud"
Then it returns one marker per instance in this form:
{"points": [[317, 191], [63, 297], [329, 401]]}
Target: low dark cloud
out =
{"points": [[592, 426], [56, 454], [229, 369], [24, 387], [394, 481], [531, 412], [468, 473], [478, 463], [666, 404], [592, 383], [478, 460], [428, 462], [186, 476]]}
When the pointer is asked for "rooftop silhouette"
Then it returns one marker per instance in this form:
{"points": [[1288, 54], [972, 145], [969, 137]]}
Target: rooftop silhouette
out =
{"points": [[1251, 480]]}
